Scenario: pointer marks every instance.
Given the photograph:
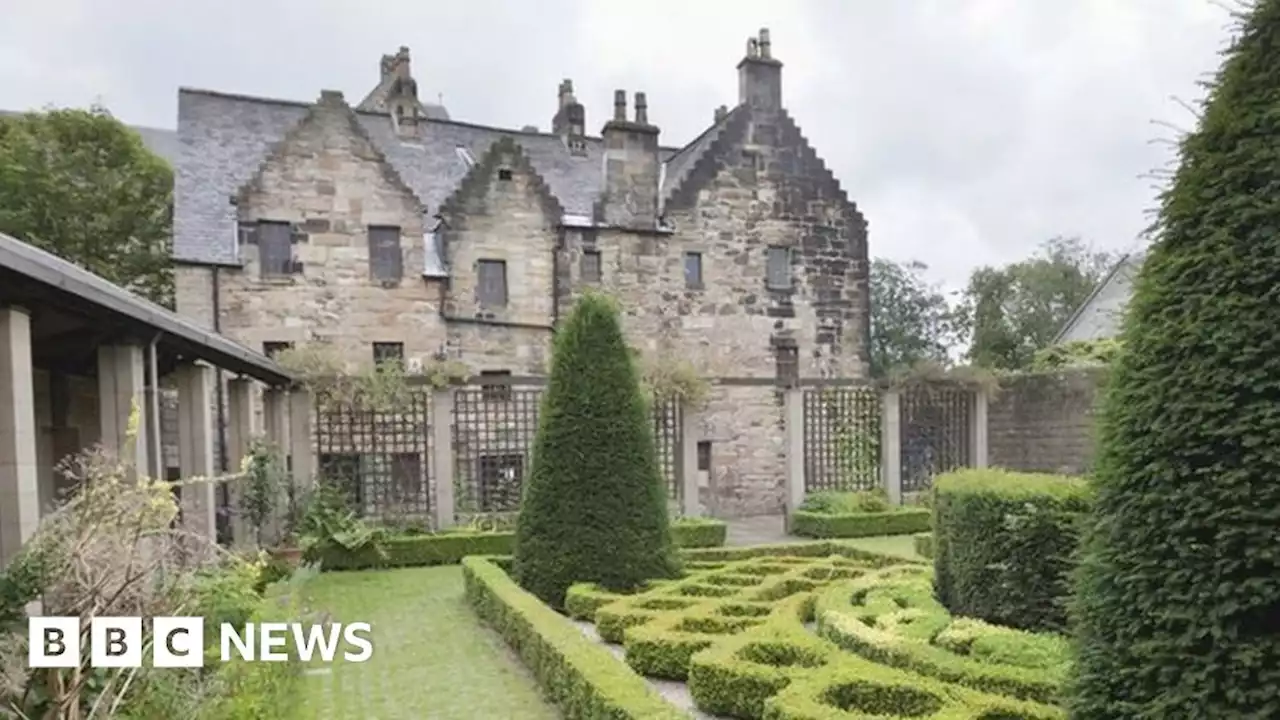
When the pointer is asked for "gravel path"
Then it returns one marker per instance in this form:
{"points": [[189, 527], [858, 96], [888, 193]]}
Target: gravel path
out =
{"points": [[674, 692]]}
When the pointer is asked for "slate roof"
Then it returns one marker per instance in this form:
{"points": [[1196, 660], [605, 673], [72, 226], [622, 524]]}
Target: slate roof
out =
{"points": [[225, 138], [160, 141]]}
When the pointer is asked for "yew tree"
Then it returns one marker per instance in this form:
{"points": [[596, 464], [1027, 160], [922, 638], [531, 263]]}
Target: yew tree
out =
{"points": [[1177, 603]]}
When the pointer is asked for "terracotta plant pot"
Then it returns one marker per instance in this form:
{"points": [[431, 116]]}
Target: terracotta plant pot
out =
{"points": [[290, 555]]}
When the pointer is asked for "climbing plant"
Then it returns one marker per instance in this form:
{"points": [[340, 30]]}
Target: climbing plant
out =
{"points": [[380, 386]]}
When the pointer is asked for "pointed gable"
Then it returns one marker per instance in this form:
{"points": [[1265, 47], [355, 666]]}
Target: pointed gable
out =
{"points": [[504, 155]]}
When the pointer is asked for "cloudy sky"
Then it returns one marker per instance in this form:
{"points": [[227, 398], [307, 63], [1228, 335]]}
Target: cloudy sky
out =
{"points": [[967, 130]]}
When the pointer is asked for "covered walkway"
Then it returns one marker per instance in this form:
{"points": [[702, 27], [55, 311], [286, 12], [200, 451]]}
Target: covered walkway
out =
{"points": [[79, 354]]}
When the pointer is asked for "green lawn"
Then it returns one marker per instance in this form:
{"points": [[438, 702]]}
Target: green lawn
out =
{"points": [[895, 545], [431, 657]]}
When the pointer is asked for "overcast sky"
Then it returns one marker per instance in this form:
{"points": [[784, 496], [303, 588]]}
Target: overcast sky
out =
{"points": [[966, 130]]}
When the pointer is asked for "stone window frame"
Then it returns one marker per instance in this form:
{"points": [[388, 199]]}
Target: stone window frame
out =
{"points": [[591, 273], [704, 456], [777, 264], [786, 362], [493, 391], [272, 348], [275, 248], [487, 295], [696, 282], [384, 352], [386, 253]]}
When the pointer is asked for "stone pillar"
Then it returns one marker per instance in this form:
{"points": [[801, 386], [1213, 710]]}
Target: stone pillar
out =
{"points": [[891, 445], [978, 429], [443, 504], [301, 449], [19, 475], [121, 390], [275, 416], [195, 450], [687, 462], [793, 407], [240, 434]]}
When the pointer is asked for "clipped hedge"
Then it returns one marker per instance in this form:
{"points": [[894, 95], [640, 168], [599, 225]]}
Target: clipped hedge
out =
{"points": [[891, 617], [448, 548], [899, 521], [577, 674], [923, 544], [734, 629], [1005, 545]]}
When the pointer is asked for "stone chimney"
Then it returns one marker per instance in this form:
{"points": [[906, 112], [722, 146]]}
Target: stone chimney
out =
{"points": [[570, 120], [632, 167], [402, 94], [760, 75]]}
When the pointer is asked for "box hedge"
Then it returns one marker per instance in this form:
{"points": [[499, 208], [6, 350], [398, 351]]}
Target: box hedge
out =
{"points": [[923, 544], [577, 674], [899, 521], [448, 548], [735, 629], [1005, 545]]}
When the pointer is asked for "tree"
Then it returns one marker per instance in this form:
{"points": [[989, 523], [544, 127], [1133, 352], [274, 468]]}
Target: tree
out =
{"points": [[1013, 311], [82, 186], [595, 508], [911, 321], [1178, 595]]}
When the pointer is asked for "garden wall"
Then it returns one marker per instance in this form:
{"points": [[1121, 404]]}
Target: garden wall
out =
{"points": [[1044, 422]]}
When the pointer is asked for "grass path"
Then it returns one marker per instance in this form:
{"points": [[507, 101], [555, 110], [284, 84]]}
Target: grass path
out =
{"points": [[902, 546], [431, 658]]}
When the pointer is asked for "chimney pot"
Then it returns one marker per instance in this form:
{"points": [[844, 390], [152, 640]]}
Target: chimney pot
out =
{"points": [[620, 105], [642, 109], [765, 45]]}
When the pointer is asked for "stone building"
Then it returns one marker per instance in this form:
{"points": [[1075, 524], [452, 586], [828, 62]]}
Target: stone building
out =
{"points": [[390, 229]]}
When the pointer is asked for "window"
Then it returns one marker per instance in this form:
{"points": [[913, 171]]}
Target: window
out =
{"points": [[787, 363], [275, 249], [778, 268], [272, 348], [491, 288], [388, 352], [386, 262], [693, 270], [501, 478], [342, 471], [498, 385], [704, 456], [406, 476], [591, 266], [504, 174]]}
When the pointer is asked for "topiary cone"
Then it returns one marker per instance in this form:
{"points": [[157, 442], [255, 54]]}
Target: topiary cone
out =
{"points": [[595, 505]]}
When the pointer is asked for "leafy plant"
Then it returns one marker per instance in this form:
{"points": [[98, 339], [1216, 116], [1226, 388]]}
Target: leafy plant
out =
{"points": [[329, 523], [264, 480], [863, 501], [385, 386]]}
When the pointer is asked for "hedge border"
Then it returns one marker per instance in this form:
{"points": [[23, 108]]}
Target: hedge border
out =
{"points": [[449, 548], [579, 675], [773, 668], [899, 521], [923, 544], [841, 621]]}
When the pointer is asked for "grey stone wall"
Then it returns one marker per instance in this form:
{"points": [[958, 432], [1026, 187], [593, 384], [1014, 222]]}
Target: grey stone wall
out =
{"points": [[1045, 422]]}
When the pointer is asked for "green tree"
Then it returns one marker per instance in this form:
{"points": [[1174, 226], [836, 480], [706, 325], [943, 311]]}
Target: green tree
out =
{"points": [[1012, 311], [1178, 595], [911, 320], [595, 508], [81, 185]]}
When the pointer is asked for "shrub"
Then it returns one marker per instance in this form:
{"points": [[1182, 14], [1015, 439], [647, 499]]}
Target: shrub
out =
{"points": [[896, 521], [595, 507], [581, 677], [1178, 597], [862, 501], [923, 544], [1005, 544], [696, 532]]}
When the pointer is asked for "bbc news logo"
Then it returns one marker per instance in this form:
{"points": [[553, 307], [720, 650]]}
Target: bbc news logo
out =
{"points": [[179, 642]]}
